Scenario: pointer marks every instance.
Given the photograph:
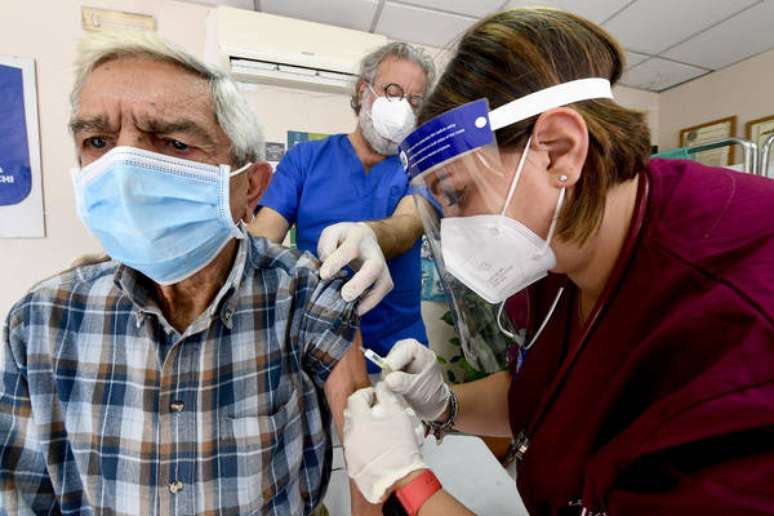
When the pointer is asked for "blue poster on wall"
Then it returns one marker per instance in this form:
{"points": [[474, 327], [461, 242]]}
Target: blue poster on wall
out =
{"points": [[21, 191], [15, 170]]}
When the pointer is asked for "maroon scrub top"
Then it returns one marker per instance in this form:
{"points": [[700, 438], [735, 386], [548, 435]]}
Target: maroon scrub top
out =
{"points": [[664, 402]]}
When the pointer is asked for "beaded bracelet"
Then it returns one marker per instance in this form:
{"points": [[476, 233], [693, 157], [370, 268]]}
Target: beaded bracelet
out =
{"points": [[440, 429]]}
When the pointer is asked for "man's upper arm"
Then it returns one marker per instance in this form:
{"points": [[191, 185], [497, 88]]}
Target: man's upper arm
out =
{"points": [[348, 375], [284, 192], [398, 233], [278, 207], [350, 372], [407, 207], [328, 324], [269, 224], [25, 486]]}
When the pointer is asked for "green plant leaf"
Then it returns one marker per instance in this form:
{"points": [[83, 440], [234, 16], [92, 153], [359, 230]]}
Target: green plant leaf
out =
{"points": [[447, 318], [452, 377], [455, 359], [442, 360], [469, 373], [455, 341]]}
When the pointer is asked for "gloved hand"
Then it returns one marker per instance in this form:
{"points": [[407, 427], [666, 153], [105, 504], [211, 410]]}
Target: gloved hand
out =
{"points": [[417, 376], [355, 244], [380, 443]]}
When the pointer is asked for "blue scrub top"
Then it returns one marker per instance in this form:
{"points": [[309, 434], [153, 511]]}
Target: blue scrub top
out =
{"points": [[322, 182]]}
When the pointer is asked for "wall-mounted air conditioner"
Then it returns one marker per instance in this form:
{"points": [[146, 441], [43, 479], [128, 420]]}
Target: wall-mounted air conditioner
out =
{"points": [[269, 49]]}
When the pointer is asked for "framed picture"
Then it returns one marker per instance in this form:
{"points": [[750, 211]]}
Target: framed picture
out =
{"points": [[709, 132], [758, 130]]}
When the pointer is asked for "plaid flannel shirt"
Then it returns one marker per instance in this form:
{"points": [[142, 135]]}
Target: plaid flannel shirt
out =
{"points": [[105, 408]]}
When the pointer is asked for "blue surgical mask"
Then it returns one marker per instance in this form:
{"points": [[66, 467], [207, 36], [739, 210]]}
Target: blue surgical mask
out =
{"points": [[163, 216]]}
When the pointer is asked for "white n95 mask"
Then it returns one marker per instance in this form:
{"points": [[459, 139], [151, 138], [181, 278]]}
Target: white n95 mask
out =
{"points": [[393, 119], [494, 255]]}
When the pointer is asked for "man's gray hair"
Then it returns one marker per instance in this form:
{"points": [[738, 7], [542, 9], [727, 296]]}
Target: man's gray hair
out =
{"points": [[232, 111], [370, 64]]}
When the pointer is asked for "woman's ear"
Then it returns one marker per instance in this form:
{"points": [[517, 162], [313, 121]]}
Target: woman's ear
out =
{"points": [[562, 133], [258, 177]]}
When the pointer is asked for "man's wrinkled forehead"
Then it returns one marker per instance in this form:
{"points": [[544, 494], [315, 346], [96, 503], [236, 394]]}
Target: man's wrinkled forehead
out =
{"points": [[152, 123], [404, 72], [146, 92]]}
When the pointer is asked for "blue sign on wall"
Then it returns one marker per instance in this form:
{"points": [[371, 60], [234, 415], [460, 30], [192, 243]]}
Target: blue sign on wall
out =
{"points": [[15, 170]]}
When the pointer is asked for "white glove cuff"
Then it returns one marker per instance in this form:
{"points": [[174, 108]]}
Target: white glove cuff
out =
{"points": [[443, 396], [367, 227]]}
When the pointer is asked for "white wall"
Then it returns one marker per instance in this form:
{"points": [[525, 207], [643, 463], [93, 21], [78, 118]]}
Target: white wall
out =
{"points": [[743, 90], [643, 101], [282, 109]]}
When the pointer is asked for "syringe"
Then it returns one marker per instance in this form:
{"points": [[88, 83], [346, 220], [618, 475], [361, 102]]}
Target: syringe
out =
{"points": [[375, 359]]}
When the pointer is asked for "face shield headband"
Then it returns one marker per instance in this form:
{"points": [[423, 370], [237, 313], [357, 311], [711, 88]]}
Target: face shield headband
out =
{"points": [[462, 191]]}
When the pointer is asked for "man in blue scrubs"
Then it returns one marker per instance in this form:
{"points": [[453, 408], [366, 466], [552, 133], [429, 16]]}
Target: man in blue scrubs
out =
{"points": [[349, 197]]}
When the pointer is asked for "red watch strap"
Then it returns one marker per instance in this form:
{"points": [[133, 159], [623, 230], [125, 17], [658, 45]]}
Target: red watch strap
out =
{"points": [[414, 494]]}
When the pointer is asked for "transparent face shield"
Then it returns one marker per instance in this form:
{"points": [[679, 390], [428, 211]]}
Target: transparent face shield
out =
{"points": [[462, 191]]}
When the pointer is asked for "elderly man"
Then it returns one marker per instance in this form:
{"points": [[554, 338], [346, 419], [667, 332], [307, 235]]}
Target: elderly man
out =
{"points": [[190, 374], [349, 199]]}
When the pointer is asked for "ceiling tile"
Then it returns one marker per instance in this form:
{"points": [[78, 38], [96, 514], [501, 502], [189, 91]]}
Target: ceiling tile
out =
{"points": [[596, 10], [654, 25], [633, 59], [742, 36], [421, 25], [476, 8], [352, 14], [659, 74]]}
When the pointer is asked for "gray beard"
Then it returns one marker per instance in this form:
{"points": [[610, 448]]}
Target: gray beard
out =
{"points": [[377, 142]]}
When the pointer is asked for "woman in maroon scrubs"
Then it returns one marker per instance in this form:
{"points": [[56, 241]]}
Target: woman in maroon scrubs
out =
{"points": [[650, 390]]}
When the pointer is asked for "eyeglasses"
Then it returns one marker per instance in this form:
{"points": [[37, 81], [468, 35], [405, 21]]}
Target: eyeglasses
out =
{"points": [[394, 92]]}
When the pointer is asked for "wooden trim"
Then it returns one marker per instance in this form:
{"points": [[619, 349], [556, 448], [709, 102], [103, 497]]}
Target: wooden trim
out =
{"points": [[748, 125], [732, 133]]}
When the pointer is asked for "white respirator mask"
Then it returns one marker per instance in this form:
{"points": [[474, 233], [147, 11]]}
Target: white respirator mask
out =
{"points": [[494, 255], [393, 119]]}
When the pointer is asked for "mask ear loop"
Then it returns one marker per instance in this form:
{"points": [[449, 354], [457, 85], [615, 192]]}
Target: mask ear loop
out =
{"points": [[554, 221], [368, 111], [540, 329], [516, 178], [240, 170], [238, 229], [499, 323], [551, 231], [559, 201]]}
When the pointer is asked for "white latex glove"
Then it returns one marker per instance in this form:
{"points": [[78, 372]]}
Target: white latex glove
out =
{"points": [[355, 244], [417, 376], [380, 443]]}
